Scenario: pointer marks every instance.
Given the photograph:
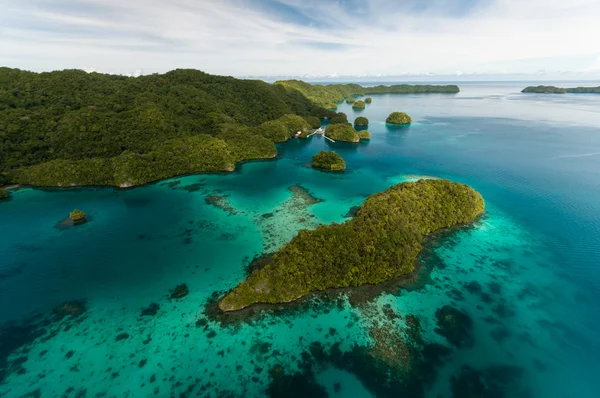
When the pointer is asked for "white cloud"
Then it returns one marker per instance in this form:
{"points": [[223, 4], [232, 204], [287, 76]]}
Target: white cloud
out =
{"points": [[232, 37]]}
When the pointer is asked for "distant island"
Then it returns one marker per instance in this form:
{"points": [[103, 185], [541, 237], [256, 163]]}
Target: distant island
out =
{"points": [[330, 161], [342, 132], [359, 105], [558, 90], [325, 95], [380, 243], [368, 100], [398, 118]]}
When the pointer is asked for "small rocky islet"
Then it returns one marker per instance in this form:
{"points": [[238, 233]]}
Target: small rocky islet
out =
{"points": [[77, 217], [328, 160], [398, 119]]}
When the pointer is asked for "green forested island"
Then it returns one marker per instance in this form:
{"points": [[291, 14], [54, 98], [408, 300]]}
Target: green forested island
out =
{"points": [[350, 100], [364, 135], [330, 161], [398, 118], [558, 90], [361, 121], [380, 243], [359, 105], [342, 132], [326, 95], [77, 217], [72, 128], [75, 128], [368, 100], [339, 118], [3, 193]]}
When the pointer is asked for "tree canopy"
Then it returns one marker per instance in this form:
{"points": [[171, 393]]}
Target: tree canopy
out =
{"points": [[339, 118], [364, 135], [314, 121], [350, 100], [558, 90], [3, 193], [398, 118], [361, 121], [325, 95], [77, 215], [359, 105], [342, 132], [331, 161], [368, 100], [72, 127], [380, 243]]}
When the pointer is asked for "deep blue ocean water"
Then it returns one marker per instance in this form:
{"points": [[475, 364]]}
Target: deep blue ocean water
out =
{"points": [[535, 256]]}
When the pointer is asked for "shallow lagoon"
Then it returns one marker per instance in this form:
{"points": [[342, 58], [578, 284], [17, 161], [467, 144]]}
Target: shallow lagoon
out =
{"points": [[527, 273]]}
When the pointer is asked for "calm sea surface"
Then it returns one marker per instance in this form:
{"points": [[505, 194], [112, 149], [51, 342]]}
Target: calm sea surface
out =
{"points": [[527, 274]]}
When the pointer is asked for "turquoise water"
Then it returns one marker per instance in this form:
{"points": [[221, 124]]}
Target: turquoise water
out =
{"points": [[527, 273]]}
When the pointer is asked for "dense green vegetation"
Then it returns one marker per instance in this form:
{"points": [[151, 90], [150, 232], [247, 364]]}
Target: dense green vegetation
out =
{"points": [[364, 135], [331, 161], [331, 106], [342, 132], [350, 100], [361, 121], [325, 95], [3, 193], [72, 128], [368, 100], [77, 216], [398, 118], [412, 89], [558, 90], [314, 121], [195, 154], [339, 118], [359, 105], [380, 243]]}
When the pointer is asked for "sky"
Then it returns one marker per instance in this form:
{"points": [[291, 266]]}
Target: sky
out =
{"points": [[429, 39]]}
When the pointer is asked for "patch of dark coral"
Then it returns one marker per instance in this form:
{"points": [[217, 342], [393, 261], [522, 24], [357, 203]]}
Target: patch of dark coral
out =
{"points": [[493, 382], [122, 336], [151, 310], [456, 326], [180, 291], [16, 338], [73, 308], [352, 212], [379, 378], [299, 384], [221, 202], [194, 187]]}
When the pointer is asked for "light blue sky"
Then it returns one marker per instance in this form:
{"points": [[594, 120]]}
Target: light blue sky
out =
{"points": [[424, 39]]}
